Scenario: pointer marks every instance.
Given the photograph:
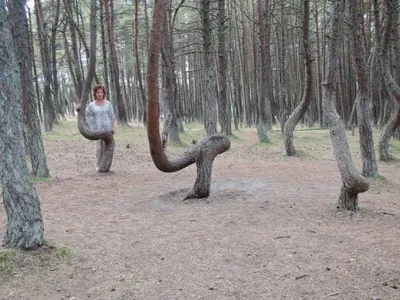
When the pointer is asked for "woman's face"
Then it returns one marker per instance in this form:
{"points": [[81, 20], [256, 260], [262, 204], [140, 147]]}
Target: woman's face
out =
{"points": [[99, 94]]}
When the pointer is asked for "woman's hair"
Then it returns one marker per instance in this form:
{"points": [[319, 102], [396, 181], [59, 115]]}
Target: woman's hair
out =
{"points": [[98, 87]]}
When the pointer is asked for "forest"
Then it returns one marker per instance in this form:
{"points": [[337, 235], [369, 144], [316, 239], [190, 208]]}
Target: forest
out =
{"points": [[255, 154]]}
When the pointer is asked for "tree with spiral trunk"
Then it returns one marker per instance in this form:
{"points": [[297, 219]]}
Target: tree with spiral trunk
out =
{"points": [[107, 154], [204, 152], [24, 227], [353, 182]]}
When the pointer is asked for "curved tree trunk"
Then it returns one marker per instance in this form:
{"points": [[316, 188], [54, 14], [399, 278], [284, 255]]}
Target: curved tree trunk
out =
{"points": [[106, 155], [353, 182], [301, 109], [202, 153], [24, 227], [363, 99], [20, 31]]}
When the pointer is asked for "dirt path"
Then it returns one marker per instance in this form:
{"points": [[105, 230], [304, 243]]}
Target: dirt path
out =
{"points": [[269, 229]]}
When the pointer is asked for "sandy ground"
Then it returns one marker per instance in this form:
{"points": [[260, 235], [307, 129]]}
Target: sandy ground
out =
{"points": [[269, 230]]}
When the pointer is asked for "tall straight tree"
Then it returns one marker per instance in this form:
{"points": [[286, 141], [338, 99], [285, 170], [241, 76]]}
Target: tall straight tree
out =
{"points": [[363, 101], [225, 116], [390, 68], [171, 129], [48, 103], [264, 104], [353, 182], [121, 111], [210, 98], [135, 27], [19, 26], [24, 227], [301, 109]]}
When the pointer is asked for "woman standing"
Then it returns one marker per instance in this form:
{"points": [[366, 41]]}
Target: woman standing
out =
{"points": [[100, 117]]}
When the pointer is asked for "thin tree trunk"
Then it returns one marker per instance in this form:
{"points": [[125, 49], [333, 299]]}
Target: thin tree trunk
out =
{"points": [[48, 104], [224, 104], [135, 30], [121, 111], [301, 109], [370, 168]]}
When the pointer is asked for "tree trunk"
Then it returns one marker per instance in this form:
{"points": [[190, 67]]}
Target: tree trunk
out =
{"points": [[353, 182], [370, 168], [121, 111], [107, 152], [24, 227], [224, 104], [137, 62], [48, 104], [264, 109], [210, 99], [19, 26], [390, 39], [204, 152], [171, 129], [301, 109]]}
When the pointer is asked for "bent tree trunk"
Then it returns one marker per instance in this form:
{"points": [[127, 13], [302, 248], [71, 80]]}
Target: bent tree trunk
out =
{"points": [[353, 182], [301, 109], [107, 153], [24, 227], [202, 153]]}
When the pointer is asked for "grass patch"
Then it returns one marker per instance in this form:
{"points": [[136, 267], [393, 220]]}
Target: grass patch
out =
{"points": [[41, 179], [46, 258]]}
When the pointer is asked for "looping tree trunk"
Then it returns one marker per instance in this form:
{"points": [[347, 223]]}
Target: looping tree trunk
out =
{"points": [[108, 152], [202, 153]]}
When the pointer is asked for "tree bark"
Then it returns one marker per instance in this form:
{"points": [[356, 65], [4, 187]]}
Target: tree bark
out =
{"points": [[390, 39], [171, 129], [364, 102], [225, 116], [19, 25], [202, 153], [210, 98], [135, 26], [301, 109], [353, 182], [264, 107], [24, 227], [121, 111], [48, 103]]}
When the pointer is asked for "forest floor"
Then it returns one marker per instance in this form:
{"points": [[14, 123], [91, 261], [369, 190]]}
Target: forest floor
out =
{"points": [[270, 228]]}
